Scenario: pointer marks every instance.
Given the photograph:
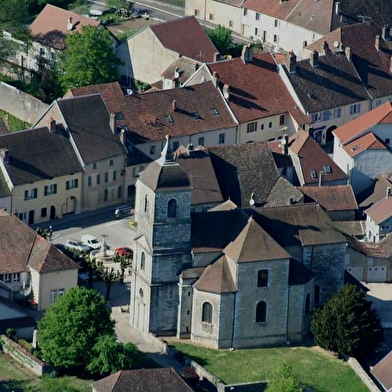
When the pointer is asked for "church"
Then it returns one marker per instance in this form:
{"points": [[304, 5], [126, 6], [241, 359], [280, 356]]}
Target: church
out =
{"points": [[228, 277]]}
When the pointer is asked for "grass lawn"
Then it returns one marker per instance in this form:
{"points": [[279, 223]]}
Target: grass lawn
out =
{"points": [[312, 367]]}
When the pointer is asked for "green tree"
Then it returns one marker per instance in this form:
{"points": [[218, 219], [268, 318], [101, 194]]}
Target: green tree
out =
{"points": [[71, 327], [282, 380], [89, 59], [110, 356], [347, 324], [118, 5], [221, 38]]}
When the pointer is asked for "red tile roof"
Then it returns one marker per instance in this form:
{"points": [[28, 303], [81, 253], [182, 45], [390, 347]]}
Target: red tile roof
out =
{"points": [[364, 143], [380, 211], [50, 26], [256, 89], [186, 37], [357, 127], [382, 372]]}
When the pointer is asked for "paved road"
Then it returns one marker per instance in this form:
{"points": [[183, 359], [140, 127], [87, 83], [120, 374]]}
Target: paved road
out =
{"points": [[381, 296]]}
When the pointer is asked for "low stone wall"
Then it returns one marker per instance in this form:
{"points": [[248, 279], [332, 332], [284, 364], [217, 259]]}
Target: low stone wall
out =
{"points": [[21, 355], [355, 365]]}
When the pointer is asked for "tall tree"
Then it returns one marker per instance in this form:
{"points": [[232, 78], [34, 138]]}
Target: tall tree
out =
{"points": [[221, 38], [88, 59], [347, 324], [282, 380], [72, 326]]}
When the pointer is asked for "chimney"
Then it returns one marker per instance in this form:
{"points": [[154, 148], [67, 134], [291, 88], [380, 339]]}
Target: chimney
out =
{"points": [[314, 58], [337, 8], [112, 122], [386, 33], [347, 50], [285, 144], [377, 42], [291, 62], [122, 136], [246, 54], [388, 192], [69, 24], [174, 105], [216, 57], [215, 79], [52, 125], [226, 91], [191, 150], [321, 177], [176, 73], [5, 155], [325, 47]]}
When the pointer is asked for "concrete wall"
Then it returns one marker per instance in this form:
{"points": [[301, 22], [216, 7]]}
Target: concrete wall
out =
{"points": [[19, 104]]}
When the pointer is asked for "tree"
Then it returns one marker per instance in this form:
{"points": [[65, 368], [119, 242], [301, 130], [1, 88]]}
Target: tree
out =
{"points": [[282, 380], [221, 38], [347, 324], [71, 327], [88, 59], [119, 5], [110, 356]]}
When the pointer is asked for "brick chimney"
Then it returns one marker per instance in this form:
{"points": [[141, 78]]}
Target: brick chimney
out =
{"points": [[321, 177], [314, 59], [52, 125], [246, 54], [215, 79], [337, 8], [226, 91], [377, 42], [5, 155], [347, 50], [291, 62], [122, 136], [386, 31], [174, 105], [70, 24], [216, 57], [112, 122], [285, 144]]}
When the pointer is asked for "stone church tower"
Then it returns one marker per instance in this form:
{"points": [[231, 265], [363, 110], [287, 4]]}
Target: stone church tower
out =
{"points": [[162, 245]]}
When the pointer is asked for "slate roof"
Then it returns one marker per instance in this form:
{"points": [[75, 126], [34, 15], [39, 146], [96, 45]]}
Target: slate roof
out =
{"points": [[364, 123], [143, 380], [87, 119], [331, 198], [198, 166], [254, 244], [298, 225], [217, 278], [185, 68], [50, 26], [309, 157], [380, 211], [256, 89], [197, 45], [379, 192], [283, 193], [382, 372], [364, 143], [147, 115], [244, 169], [334, 83], [38, 154], [371, 64]]}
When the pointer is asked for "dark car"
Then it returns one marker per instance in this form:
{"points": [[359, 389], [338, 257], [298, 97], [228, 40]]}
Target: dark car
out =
{"points": [[124, 251]]}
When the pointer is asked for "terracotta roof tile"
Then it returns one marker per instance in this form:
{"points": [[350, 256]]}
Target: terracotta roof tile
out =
{"points": [[382, 372], [379, 192], [362, 124], [256, 89], [380, 211], [50, 26], [351, 228], [197, 45], [364, 143]]}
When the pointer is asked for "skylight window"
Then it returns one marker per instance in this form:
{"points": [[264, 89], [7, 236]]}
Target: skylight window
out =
{"points": [[169, 119], [313, 174], [119, 116], [328, 169], [196, 116], [215, 111]]}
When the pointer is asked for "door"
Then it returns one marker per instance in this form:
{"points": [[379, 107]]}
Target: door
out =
{"points": [[357, 272], [31, 217], [377, 274], [52, 212]]}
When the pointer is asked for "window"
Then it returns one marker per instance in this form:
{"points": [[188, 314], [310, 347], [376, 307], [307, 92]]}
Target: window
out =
{"points": [[44, 212], [328, 169], [56, 294], [30, 194], [152, 150], [15, 277], [107, 175], [326, 115], [215, 111], [276, 39], [261, 127], [142, 261], [197, 13], [53, 56], [262, 278], [221, 138], [313, 174], [387, 141], [119, 192], [231, 23], [42, 51], [98, 179], [378, 102], [118, 116], [141, 294], [145, 203], [201, 141], [245, 12], [355, 109], [307, 304], [71, 184], [114, 175], [211, 17], [89, 181], [111, 162], [175, 146], [206, 313], [257, 31], [7, 278], [251, 127], [276, 23], [169, 119], [50, 189], [257, 16], [261, 312], [336, 113], [172, 208], [270, 124], [271, 139], [95, 165], [105, 195], [282, 119], [196, 116]]}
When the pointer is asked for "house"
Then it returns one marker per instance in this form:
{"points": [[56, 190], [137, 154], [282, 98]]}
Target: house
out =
{"points": [[31, 268], [379, 219], [337, 201], [382, 372], [42, 174], [227, 278], [97, 144], [313, 166], [361, 147], [256, 95], [329, 89], [375, 194], [151, 50], [142, 380]]}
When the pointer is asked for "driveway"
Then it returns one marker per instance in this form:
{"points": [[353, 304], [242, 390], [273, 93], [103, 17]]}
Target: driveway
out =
{"points": [[381, 296]]}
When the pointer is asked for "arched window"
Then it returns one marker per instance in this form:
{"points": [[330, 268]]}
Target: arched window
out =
{"points": [[206, 315], [262, 278], [145, 203], [261, 312], [172, 208], [141, 294], [307, 304], [142, 261]]}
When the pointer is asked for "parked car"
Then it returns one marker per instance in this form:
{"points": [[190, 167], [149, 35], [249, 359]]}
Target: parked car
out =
{"points": [[91, 241], [135, 14], [124, 251], [77, 245]]}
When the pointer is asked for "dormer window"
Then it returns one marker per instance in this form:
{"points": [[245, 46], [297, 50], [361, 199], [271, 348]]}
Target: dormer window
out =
{"points": [[313, 174], [119, 116], [215, 111], [196, 116], [169, 119], [328, 169]]}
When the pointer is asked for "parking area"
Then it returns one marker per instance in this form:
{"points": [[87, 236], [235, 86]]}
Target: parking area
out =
{"points": [[381, 296]]}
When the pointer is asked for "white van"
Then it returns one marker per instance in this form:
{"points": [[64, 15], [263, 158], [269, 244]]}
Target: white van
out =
{"points": [[91, 241]]}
